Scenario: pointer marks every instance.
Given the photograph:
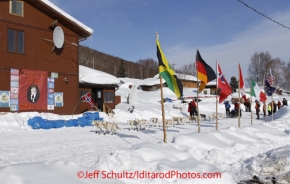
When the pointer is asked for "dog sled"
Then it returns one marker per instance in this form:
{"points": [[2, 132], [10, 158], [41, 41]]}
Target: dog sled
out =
{"points": [[233, 114]]}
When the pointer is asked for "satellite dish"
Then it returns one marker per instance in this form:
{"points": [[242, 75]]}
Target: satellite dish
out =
{"points": [[58, 37]]}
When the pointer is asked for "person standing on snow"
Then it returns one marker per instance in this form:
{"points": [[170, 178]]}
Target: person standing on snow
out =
{"points": [[227, 106], [192, 107], [257, 107], [284, 102], [279, 104]]}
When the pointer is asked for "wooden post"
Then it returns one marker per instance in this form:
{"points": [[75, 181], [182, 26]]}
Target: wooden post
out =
{"points": [[216, 104], [239, 124], [198, 125], [251, 110], [76, 106], [162, 107]]}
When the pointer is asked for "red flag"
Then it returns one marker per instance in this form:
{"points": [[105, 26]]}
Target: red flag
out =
{"points": [[87, 98], [270, 79], [242, 84], [223, 85]]}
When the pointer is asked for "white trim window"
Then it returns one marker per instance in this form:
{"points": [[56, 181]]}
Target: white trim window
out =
{"points": [[16, 7]]}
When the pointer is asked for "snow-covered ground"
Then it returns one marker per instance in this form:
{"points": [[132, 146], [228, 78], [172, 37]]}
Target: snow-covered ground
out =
{"points": [[79, 155]]}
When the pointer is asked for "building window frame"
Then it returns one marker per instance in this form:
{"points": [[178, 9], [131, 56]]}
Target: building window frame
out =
{"points": [[16, 7], [15, 41], [108, 97]]}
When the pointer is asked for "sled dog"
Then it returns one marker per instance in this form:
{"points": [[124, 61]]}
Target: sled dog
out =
{"points": [[132, 123], [176, 119], [107, 126], [169, 122], [154, 121]]}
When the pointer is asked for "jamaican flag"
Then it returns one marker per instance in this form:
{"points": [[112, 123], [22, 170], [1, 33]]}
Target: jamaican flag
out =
{"points": [[167, 73]]}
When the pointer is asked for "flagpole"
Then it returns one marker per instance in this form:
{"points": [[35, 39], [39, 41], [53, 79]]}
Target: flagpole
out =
{"points": [[239, 125], [77, 106], [272, 107], [198, 125], [251, 110], [216, 104], [265, 101], [162, 107]]}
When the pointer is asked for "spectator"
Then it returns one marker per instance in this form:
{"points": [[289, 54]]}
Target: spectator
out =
{"points": [[279, 104], [247, 104], [237, 107], [269, 109], [264, 109], [284, 102], [192, 107], [257, 107], [227, 106]]}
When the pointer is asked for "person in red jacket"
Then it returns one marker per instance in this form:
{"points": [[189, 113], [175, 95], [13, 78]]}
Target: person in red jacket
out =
{"points": [[192, 108], [237, 105], [279, 104]]}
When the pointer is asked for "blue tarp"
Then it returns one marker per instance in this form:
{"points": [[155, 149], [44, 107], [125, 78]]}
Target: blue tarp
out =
{"points": [[38, 123], [91, 115]]}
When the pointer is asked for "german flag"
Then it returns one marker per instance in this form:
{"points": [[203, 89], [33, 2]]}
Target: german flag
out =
{"points": [[167, 73], [204, 72]]}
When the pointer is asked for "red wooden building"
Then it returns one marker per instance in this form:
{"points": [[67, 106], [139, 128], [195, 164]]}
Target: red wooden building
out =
{"points": [[39, 67]]}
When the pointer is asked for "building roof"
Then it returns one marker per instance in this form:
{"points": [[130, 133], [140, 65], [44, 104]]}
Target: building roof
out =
{"points": [[182, 77], [143, 82], [92, 76], [56, 13]]}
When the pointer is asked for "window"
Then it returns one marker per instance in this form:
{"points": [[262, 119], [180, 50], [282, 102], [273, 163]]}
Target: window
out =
{"points": [[15, 41], [16, 7], [109, 97]]}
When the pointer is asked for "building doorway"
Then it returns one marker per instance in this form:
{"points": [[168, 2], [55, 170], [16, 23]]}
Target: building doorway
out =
{"points": [[97, 95]]}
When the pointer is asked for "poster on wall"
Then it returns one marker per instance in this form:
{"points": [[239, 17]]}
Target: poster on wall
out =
{"points": [[32, 90], [14, 89], [58, 99], [50, 93], [4, 99]]}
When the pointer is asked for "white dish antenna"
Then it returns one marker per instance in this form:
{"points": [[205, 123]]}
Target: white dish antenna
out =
{"points": [[58, 37]]}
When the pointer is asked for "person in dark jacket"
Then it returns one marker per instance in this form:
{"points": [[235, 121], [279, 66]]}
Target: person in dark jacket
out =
{"points": [[227, 106], [257, 107], [284, 102]]}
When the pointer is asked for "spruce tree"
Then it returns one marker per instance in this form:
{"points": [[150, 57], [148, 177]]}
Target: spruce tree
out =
{"points": [[122, 70], [234, 84]]}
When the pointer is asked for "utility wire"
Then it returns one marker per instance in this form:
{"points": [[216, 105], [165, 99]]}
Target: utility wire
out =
{"points": [[263, 15]]}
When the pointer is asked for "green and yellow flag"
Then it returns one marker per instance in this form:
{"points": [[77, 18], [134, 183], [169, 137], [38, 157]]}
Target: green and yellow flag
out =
{"points": [[167, 73]]}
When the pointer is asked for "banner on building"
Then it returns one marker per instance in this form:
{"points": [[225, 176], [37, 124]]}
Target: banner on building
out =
{"points": [[32, 90], [50, 93], [58, 99], [14, 89], [4, 99]]}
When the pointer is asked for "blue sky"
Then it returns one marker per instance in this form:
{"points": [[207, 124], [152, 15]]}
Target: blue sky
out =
{"points": [[225, 30]]}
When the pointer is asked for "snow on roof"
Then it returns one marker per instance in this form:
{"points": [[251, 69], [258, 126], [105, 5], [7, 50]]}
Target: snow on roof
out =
{"points": [[89, 75], [181, 76], [236, 95], [151, 82], [143, 82], [91, 31], [213, 83]]}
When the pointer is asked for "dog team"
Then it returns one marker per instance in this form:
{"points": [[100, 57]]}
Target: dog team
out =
{"points": [[140, 124]]}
